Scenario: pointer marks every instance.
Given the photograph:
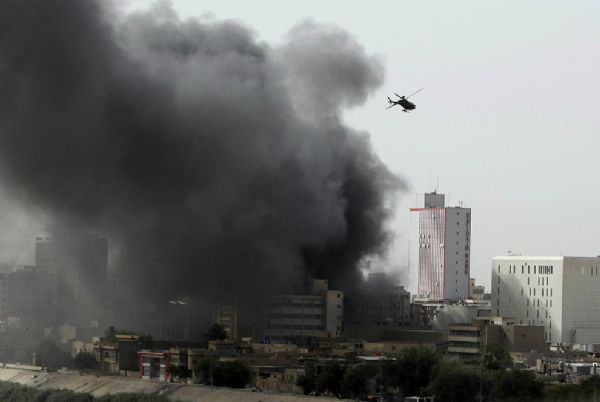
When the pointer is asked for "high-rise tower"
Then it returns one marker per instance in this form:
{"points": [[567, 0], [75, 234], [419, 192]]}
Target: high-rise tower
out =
{"points": [[440, 247]]}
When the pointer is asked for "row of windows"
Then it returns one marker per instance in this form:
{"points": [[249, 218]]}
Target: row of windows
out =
{"points": [[534, 302], [548, 303], [297, 327], [296, 304], [537, 313], [296, 316], [532, 322], [546, 292], [537, 270], [464, 344], [465, 333]]}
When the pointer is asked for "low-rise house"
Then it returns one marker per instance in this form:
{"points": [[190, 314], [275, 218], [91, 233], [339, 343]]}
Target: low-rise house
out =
{"points": [[154, 365]]}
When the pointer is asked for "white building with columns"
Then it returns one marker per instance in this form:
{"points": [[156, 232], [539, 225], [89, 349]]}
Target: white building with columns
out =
{"points": [[560, 293]]}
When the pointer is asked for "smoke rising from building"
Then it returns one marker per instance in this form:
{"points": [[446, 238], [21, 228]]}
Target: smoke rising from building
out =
{"points": [[214, 162]]}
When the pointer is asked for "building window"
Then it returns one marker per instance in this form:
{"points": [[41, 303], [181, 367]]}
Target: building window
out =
{"points": [[538, 314], [522, 269], [528, 270], [534, 269]]}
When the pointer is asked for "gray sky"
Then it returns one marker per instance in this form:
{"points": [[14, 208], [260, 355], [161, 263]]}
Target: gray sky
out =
{"points": [[506, 122]]}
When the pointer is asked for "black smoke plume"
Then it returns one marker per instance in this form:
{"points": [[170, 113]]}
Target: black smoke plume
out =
{"points": [[212, 161]]}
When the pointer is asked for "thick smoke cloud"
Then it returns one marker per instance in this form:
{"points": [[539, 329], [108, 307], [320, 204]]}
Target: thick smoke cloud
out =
{"points": [[214, 162]]}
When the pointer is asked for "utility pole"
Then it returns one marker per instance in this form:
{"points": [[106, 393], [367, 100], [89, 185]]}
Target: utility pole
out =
{"points": [[595, 380], [481, 358], [380, 380]]}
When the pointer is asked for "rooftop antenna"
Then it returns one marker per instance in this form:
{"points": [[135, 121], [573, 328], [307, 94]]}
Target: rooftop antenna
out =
{"points": [[429, 181]]}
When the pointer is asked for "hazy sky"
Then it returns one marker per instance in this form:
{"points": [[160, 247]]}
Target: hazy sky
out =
{"points": [[507, 121]]}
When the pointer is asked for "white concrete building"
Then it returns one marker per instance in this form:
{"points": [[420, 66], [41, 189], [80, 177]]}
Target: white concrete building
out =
{"points": [[439, 249], [560, 293]]}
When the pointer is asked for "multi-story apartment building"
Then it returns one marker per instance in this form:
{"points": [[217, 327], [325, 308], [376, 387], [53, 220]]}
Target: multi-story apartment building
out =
{"points": [[476, 292], [467, 341], [315, 315], [79, 265], [560, 293], [379, 302], [440, 247]]}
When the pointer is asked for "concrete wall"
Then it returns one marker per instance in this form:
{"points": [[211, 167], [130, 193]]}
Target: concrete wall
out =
{"points": [[524, 338], [334, 313], [99, 386], [581, 299]]}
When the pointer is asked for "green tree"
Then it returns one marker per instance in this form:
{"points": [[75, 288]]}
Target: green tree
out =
{"points": [[355, 381], [515, 386], [565, 393], [307, 382], [453, 383], [495, 357], [216, 333], [411, 371], [234, 374], [590, 387], [329, 379]]}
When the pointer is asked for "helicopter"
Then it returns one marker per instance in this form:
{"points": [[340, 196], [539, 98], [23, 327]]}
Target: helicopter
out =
{"points": [[403, 101]]}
